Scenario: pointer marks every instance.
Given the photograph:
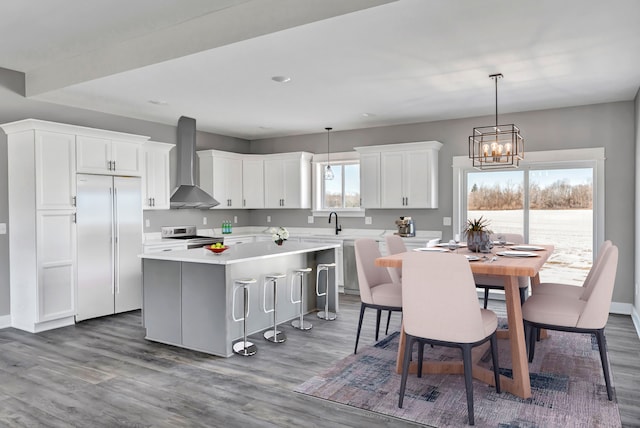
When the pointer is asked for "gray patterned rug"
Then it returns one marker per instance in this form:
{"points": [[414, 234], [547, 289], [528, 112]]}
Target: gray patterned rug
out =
{"points": [[566, 381]]}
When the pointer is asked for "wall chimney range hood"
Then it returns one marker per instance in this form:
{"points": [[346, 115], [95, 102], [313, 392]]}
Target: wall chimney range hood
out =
{"points": [[187, 194]]}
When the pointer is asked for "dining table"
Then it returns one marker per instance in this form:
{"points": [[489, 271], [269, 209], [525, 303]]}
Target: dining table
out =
{"points": [[510, 267]]}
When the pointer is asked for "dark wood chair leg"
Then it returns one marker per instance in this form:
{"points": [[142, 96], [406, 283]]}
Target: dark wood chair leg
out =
{"points": [[532, 341], [386, 331], [408, 346], [362, 308], [486, 297], [602, 346], [378, 313], [494, 358], [420, 357], [468, 381]]}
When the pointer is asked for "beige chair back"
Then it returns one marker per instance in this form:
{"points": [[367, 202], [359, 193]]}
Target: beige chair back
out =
{"points": [[395, 245], [439, 298], [598, 295], [594, 268], [369, 275]]}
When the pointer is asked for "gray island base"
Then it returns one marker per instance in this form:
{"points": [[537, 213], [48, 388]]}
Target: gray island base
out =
{"points": [[188, 295]]}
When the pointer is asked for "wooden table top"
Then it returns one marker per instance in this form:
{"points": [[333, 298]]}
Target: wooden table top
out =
{"points": [[506, 266]]}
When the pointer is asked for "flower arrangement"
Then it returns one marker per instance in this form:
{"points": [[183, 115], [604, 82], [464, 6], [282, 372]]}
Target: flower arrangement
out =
{"points": [[279, 235], [477, 225]]}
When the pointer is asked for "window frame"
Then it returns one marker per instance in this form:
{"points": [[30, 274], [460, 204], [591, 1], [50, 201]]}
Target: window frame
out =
{"points": [[318, 163], [552, 159]]}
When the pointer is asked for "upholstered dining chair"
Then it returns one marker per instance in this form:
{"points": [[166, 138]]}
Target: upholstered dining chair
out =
{"points": [[572, 290], [494, 282], [395, 245], [377, 290], [587, 313], [440, 307]]}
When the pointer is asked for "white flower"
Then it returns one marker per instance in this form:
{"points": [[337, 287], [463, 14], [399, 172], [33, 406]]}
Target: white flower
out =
{"points": [[280, 234]]}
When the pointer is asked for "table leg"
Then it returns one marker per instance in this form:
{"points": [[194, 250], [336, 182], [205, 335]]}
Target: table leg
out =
{"points": [[519, 361]]}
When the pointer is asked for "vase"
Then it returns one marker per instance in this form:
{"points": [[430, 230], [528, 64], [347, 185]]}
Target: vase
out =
{"points": [[479, 241], [280, 241]]}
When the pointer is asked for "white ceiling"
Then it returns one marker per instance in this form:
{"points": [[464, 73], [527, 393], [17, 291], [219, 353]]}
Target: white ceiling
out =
{"points": [[400, 61]]}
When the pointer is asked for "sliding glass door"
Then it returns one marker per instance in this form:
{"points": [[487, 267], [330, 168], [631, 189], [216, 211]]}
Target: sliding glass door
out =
{"points": [[545, 205]]}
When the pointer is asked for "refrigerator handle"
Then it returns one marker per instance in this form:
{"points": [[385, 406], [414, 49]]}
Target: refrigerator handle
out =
{"points": [[116, 245]]}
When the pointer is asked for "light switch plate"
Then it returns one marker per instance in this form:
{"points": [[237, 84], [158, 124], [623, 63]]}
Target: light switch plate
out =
{"points": [[446, 221], [368, 220], [268, 219], [147, 223], [235, 218], [310, 219], [204, 220]]}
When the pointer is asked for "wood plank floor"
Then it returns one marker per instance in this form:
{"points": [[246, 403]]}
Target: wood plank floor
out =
{"points": [[103, 373]]}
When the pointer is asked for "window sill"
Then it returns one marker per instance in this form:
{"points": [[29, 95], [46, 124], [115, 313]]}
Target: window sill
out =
{"points": [[340, 212]]}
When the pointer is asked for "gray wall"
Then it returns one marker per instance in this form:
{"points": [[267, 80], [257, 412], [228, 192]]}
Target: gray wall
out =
{"points": [[637, 207], [608, 125]]}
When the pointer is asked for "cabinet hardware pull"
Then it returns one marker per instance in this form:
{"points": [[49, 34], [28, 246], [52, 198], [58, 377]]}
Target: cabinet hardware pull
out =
{"points": [[74, 201], [75, 218], [114, 165]]}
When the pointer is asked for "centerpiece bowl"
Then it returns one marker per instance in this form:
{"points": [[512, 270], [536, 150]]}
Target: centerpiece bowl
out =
{"points": [[216, 250]]}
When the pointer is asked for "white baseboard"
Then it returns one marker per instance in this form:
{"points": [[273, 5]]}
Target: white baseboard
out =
{"points": [[5, 321], [635, 317], [620, 308]]}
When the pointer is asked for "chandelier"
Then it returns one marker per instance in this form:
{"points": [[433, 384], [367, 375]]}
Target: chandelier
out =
{"points": [[497, 146], [328, 172]]}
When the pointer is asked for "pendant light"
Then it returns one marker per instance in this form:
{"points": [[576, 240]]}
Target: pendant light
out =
{"points": [[328, 172], [496, 146]]}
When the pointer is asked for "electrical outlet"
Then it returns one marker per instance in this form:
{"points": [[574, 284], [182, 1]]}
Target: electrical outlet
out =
{"points": [[204, 220], [235, 218], [368, 220], [268, 219], [147, 223], [446, 221], [310, 219]]}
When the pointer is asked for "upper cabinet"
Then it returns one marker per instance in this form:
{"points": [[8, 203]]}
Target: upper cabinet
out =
{"points": [[287, 180], [97, 155], [55, 170], [221, 177], [406, 175], [156, 178], [252, 179]]}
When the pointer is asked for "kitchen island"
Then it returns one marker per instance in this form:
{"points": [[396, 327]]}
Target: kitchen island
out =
{"points": [[188, 295]]}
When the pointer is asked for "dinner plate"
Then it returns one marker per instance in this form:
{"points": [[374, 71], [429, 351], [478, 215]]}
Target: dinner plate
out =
{"points": [[517, 254], [432, 249], [498, 244], [472, 258], [527, 248], [446, 245]]}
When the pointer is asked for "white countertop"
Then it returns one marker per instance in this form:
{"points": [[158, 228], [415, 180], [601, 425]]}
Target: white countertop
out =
{"points": [[239, 253], [307, 232]]}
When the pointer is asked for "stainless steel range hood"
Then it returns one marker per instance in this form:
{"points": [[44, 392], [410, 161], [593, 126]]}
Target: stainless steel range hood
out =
{"points": [[187, 194]]}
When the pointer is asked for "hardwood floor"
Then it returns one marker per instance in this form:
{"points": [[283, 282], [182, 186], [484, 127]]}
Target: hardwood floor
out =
{"points": [[103, 373]]}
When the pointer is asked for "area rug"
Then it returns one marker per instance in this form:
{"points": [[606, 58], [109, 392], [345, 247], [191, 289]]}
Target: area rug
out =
{"points": [[566, 381]]}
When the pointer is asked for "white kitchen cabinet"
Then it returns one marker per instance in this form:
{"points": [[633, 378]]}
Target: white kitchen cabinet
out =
{"points": [[287, 180], [252, 182], [236, 240], [156, 177], [408, 175], [42, 244], [221, 177], [370, 180], [56, 255], [100, 155]]}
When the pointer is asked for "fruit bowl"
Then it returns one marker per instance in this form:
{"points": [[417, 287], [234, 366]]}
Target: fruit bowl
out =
{"points": [[216, 250]]}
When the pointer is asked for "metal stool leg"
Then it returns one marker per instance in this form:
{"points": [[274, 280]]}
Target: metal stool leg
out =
{"points": [[300, 323], [273, 335], [243, 347], [325, 315]]}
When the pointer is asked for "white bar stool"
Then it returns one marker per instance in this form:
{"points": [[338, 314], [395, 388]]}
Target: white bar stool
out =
{"points": [[324, 267], [300, 323], [275, 335], [242, 347]]}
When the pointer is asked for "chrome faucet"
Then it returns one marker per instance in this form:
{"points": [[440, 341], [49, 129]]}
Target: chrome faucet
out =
{"points": [[338, 227]]}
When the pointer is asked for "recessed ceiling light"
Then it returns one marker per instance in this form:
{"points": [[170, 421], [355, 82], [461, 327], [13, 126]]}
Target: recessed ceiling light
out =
{"points": [[281, 79], [368, 115], [158, 102]]}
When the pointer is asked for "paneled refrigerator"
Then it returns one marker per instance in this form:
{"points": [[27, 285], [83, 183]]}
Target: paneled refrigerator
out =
{"points": [[109, 239]]}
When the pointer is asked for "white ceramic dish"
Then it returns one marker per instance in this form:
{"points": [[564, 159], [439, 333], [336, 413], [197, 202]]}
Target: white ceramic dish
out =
{"points": [[431, 250], [526, 248], [517, 254], [472, 258]]}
